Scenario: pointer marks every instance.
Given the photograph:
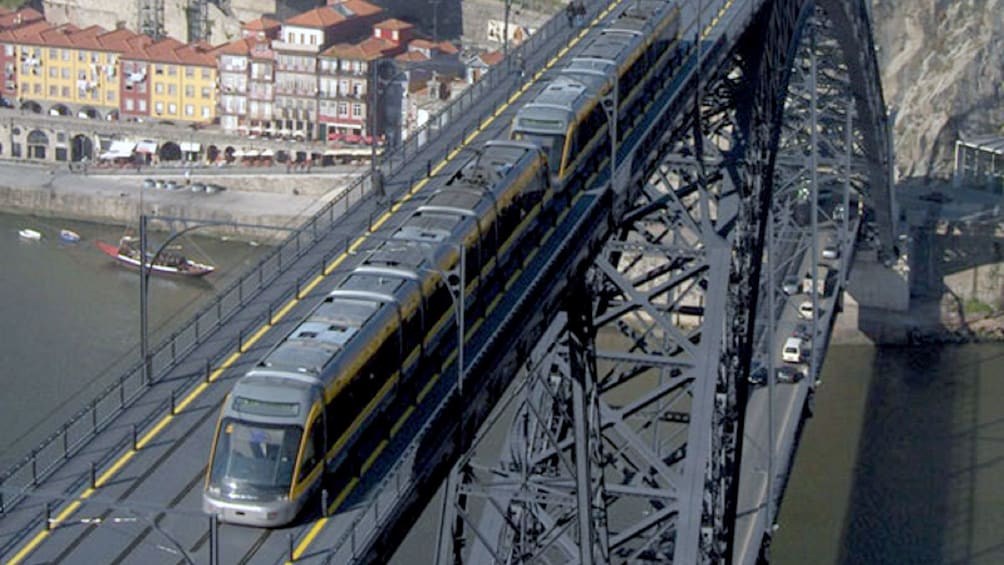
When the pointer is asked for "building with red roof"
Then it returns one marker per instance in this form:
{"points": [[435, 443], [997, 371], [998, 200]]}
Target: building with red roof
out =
{"points": [[301, 40]]}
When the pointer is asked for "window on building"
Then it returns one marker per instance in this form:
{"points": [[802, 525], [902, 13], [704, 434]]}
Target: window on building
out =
{"points": [[206, 74], [189, 91], [66, 73], [158, 69], [142, 106], [343, 88], [158, 88], [206, 93], [110, 58], [37, 88], [189, 110], [190, 72], [313, 39], [129, 104], [172, 89], [8, 50], [343, 110], [54, 92], [54, 54], [110, 97], [158, 107], [66, 92], [357, 110], [172, 108], [53, 73], [289, 37], [142, 87], [172, 70], [95, 94], [94, 57]]}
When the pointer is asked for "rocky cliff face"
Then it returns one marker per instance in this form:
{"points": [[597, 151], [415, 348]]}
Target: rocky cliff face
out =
{"points": [[942, 68]]}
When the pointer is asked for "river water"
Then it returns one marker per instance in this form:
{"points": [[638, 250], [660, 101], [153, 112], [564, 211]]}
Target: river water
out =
{"points": [[69, 319], [900, 464]]}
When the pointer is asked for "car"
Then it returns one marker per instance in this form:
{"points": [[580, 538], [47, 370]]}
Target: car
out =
{"points": [[149, 183], [171, 185], [793, 350], [806, 310], [198, 187], [803, 330], [937, 197], [789, 285], [831, 252], [159, 184], [790, 374], [211, 188], [758, 376]]}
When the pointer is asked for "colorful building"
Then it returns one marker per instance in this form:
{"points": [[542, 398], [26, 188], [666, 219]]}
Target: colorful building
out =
{"points": [[301, 40], [345, 82], [182, 80]]}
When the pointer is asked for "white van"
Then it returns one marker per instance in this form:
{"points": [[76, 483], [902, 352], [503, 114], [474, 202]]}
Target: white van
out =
{"points": [[792, 352]]}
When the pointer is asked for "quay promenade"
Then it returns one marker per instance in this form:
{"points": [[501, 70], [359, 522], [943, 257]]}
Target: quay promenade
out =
{"points": [[254, 195]]}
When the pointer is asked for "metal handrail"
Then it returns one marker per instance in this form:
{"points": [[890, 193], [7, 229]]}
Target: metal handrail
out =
{"points": [[111, 401]]}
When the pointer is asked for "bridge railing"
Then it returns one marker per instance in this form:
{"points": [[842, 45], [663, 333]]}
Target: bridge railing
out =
{"points": [[498, 76], [98, 414], [70, 438]]}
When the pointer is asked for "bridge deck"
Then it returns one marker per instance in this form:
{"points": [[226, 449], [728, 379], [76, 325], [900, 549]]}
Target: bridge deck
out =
{"points": [[124, 519]]}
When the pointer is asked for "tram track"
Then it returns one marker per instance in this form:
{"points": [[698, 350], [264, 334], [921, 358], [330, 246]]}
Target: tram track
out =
{"points": [[148, 472]]}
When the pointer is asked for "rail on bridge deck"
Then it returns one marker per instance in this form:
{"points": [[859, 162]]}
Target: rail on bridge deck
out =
{"points": [[707, 223]]}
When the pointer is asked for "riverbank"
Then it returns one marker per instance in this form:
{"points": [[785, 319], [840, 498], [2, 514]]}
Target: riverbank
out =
{"points": [[267, 197]]}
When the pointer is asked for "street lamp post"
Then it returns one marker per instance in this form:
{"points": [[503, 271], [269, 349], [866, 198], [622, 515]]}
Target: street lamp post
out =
{"points": [[375, 178], [146, 266]]}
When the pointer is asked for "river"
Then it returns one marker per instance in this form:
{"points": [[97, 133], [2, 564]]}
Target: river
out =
{"points": [[69, 317], [898, 465]]}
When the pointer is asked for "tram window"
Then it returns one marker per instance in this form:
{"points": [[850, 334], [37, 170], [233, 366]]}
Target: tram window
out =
{"points": [[313, 448]]}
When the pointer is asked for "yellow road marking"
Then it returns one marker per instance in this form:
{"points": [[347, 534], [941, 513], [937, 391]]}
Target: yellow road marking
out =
{"points": [[191, 397]]}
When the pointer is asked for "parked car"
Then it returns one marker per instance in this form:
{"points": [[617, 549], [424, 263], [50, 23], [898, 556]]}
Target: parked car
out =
{"points": [[149, 183], [159, 184], [171, 185], [831, 252], [198, 187], [758, 376], [211, 188]]}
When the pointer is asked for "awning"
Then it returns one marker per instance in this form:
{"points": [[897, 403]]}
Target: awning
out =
{"points": [[189, 147], [238, 153], [330, 152], [146, 146], [119, 150], [267, 153], [251, 153]]}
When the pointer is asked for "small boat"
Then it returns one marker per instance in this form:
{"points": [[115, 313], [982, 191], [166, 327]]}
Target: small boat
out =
{"points": [[69, 236], [168, 262], [28, 233]]}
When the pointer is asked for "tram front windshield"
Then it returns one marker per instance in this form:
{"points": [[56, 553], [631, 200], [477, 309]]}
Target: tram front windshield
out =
{"points": [[254, 460]]}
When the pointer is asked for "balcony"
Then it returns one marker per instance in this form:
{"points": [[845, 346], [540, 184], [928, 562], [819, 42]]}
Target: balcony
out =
{"points": [[286, 46]]}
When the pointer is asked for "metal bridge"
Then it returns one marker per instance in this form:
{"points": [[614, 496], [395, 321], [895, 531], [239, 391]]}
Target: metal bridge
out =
{"points": [[604, 411]]}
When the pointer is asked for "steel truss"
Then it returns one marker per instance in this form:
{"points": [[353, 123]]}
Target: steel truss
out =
{"points": [[640, 453]]}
